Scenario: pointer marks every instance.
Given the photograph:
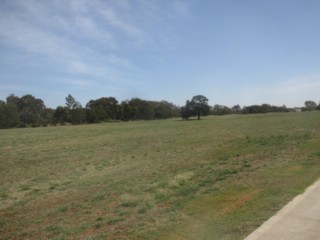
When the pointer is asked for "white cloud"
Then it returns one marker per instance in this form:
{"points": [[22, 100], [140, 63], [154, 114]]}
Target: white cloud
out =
{"points": [[85, 43], [27, 37], [131, 30], [71, 56]]}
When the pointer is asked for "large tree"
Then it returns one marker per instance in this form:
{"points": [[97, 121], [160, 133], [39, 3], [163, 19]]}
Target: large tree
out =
{"points": [[164, 109], [31, 110], [310, 105], [198, 106], [102, 109], [137, 109]]}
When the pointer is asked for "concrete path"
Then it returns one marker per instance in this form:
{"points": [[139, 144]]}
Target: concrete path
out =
{"points": [[298, 220]]}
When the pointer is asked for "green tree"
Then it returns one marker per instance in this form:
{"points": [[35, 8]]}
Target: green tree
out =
{"points": [[60, 115], [187, 111], [13, 100], [221, 110], [31, 110], [71, 103], [164, 109], [138, 109], [48, 116], [74, 114], [9, 117], [78, 116], [198, 106], [102, 109], [309, 105], [236, 108]]}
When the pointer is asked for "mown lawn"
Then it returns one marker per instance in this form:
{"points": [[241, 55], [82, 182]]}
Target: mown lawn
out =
{"points": [[218, 178]]}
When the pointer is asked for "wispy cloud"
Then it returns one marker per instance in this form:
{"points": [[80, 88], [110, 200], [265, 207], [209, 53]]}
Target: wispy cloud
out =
{"points": [[86, 43]]}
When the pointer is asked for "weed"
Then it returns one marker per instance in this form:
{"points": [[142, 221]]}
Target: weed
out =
{"points": [[25, 187], [4, 193], [54, 229], [63, 208], [98, 197], [129, 204], [122, 213], [144, 208], [162, 196], [114, 220]]}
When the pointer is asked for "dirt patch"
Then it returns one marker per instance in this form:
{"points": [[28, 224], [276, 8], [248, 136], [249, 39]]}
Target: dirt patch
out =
{"points": [[235, 202], [221, 204], [295, 168]]}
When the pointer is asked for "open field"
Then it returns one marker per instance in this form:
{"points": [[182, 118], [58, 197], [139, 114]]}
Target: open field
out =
{"points": [[218, 178]]}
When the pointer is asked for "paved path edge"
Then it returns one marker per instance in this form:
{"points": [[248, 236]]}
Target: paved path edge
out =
{"points": [[266, 226]]}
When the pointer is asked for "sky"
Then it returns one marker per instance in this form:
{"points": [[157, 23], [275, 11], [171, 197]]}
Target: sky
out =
{"points": [[233, 52]]}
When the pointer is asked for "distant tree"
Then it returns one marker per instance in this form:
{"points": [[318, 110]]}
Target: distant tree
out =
{"points": [[102, 109], [236, 108], [127, 111], [9, 117], [48, 116], [146, 110], [71, 103], [309, 106], [78, 116], [31, 110], [264, 108], [220, 110], [141, 109], [13, 100], [60, 115], [164, 109], [187, 111], [198, 106], [74, 114]]}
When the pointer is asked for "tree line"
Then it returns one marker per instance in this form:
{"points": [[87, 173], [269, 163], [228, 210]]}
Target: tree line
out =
{"points": [[29, 111], [264, 108]]}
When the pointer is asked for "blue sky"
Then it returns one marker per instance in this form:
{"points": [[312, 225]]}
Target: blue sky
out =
{"points": [[233, 52]]}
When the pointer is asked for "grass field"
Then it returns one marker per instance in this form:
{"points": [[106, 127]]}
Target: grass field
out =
{"points": [[218, 178]]}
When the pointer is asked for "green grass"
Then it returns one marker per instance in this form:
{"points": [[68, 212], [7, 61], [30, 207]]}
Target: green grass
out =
{"points": [[218, 178]]}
